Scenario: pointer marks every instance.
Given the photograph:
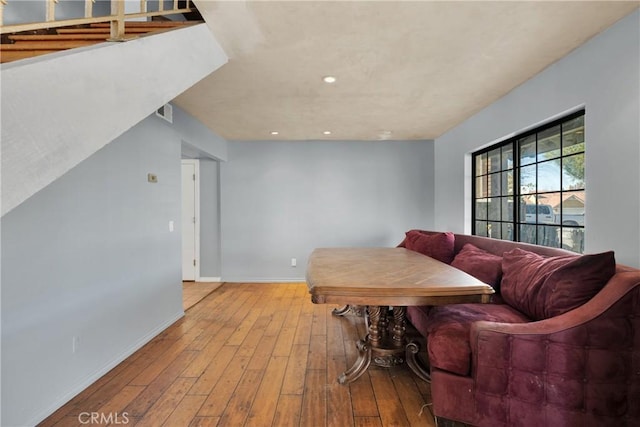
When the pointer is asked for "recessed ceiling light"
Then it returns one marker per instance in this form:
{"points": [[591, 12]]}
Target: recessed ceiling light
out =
{"points": [[327, 132], [329, 79], [384, 134], [274, 132]]}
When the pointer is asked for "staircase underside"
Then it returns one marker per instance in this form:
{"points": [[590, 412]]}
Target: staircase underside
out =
{"points": [[58, 109]]}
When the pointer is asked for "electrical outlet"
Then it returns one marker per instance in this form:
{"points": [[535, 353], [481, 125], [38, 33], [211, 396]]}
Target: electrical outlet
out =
{"points": [[294, 262]]}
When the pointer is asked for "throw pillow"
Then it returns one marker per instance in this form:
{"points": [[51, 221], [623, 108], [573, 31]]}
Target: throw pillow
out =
{"points": [[542, 287], [438, 246], [480, 264]]}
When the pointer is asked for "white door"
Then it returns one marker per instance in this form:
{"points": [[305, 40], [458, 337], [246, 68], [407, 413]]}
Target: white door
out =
{"points": [[189, 225]]}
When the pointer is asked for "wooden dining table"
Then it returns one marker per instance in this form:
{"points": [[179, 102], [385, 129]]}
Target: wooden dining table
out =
{"points": [[385, 281]]}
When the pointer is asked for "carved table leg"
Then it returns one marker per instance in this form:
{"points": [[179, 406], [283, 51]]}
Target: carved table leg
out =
{"points": [[399, 319], [415, 364], [360, 366], [356, 310], [383, 323], [342, 311], [382, 353], [375, 337]]}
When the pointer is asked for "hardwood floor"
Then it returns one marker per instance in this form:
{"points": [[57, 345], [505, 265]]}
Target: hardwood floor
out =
{"points": [[252, 355], [194, 292]]}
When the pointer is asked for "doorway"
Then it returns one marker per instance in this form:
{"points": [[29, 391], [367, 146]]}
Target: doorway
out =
{"points": [[190, 220]]}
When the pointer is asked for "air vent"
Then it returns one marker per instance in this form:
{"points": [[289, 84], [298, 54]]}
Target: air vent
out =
{"points": [[166, 112]]}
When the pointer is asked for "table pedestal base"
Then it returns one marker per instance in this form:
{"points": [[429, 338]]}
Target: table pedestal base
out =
{"points": [[415, 364], [356, 310], [385, 344], [360, 366]]}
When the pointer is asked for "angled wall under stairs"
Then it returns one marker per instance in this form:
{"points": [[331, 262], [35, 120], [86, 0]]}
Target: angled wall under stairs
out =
{"points": [[60, 108]]}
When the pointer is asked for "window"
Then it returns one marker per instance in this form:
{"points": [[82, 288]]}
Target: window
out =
{"points": [[531, 188]]}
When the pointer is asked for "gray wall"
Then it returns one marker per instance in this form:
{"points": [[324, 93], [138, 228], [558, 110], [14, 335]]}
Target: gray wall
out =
{"points": [[210, 250], [90, 256], [280, 200], [603, 75], [199, 142]]}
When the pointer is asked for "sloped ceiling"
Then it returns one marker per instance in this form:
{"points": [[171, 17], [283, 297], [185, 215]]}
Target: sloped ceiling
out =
{"points": [[405, 70]]}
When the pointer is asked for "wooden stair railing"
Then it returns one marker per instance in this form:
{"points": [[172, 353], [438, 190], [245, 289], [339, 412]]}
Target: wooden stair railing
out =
{"points": [[21, 41], [21, 46]]}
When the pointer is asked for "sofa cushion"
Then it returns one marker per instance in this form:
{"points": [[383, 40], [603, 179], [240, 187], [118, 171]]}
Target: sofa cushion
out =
{"points": [[542, 287], [448, 332], [480, 264], [438, 246], [418, 315]]}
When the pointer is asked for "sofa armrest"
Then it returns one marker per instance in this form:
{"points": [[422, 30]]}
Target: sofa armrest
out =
{"points": [[585, 360], [619, 285]]}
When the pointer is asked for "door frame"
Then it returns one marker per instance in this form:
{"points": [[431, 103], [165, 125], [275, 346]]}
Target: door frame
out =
{"points": [[196, 203]]}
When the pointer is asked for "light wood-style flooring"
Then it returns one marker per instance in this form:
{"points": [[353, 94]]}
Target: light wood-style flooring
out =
{"points": [[194, 292], [253, 355]]}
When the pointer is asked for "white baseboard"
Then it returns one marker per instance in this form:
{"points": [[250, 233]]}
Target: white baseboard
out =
{"points": [[109, 366], [258, 280], [209, 279]]}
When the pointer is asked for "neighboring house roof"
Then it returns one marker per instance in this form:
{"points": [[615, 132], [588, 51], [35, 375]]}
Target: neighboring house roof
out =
{"points": [[570, 200]]}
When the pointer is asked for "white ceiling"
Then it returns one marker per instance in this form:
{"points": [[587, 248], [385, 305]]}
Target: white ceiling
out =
{"points": [[405, 70]]}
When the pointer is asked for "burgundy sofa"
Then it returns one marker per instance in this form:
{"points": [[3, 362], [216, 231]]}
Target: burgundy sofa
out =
{"points": [[492, 365]]}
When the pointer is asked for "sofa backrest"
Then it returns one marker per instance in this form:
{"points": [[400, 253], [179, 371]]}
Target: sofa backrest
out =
{"points": [[499, 247]]}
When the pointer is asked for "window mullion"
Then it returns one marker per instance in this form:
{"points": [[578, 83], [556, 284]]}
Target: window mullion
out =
{"points": [[535, 163], [561, 184], [516, 191]]}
